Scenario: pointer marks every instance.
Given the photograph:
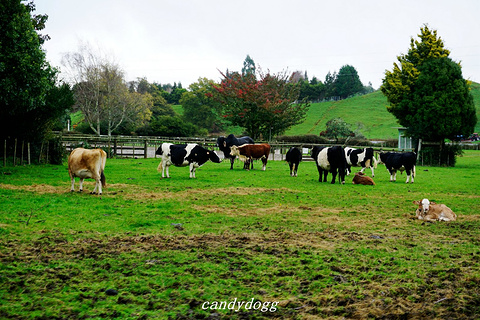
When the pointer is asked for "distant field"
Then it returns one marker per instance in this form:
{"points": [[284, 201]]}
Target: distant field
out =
{"points": [[153, 248], [368, 113]]}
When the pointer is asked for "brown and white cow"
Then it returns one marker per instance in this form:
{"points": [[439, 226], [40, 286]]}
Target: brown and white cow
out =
{"points": [[252, 152], [87, 163], [430, 211], [361, 178]]}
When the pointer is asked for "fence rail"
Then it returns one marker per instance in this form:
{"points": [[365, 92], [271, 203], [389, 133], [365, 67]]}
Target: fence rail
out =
{"points": [[145, 147]]}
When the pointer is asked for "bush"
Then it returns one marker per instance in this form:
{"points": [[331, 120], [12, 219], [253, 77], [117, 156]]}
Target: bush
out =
{"points": [[431, 155]]}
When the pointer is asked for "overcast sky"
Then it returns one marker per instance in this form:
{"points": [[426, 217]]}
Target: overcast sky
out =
{"points": [[170, 41]]}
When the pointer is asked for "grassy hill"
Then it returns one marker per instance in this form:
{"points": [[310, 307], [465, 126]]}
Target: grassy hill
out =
{"points": [[368, 113]]}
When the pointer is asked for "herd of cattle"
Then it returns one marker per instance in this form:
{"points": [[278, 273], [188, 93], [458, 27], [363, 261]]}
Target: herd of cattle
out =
{"points": [[84, 163]]}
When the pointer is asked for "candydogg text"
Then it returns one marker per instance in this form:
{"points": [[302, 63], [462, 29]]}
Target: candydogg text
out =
{"points": [[237, 305]]}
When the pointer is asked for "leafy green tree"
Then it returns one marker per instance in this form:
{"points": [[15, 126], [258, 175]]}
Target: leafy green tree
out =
{"points": [[200, 108], [265, 107], [337, 128], [427, 92], [347, 82], [29, 102]]}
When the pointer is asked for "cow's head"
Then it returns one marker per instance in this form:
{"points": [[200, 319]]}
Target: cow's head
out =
{"points": [[234, 151], [423, 207], [381, 158], [213, 157]]}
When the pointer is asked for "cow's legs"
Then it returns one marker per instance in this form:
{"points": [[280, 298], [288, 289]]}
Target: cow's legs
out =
{"points": [[264, 161], [409, 175], [393, 177], [349, 169], [232, 160], [72, 188], [98, 186], [161, 167], [166, 169], [81, 185], [334, 175], [192, 171], [373, 171]]}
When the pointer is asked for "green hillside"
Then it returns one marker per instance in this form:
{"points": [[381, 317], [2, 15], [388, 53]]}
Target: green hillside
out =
{"points": [[366, 112]]}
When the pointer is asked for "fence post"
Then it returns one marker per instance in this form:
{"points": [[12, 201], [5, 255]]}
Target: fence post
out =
{"points": [[5, 153], [145, 149], [15, 152], [115, 146], [28, 152]]}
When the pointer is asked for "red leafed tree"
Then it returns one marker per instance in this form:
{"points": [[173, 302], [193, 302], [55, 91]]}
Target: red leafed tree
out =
{"points": [[265, 107]]}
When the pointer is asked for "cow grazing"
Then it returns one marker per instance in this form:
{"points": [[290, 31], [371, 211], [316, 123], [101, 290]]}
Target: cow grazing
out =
{"points": [[293, 157], [182, 155], [330, 159], [252, 152], [430, 211], [360, 158], [87, 163], [399, 161], [361, 178], [224, 145]]}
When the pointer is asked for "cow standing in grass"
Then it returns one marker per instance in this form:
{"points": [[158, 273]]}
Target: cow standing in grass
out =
{"points": [[86, 163], [293, 157], [224, 145], [182, 155], [252, 152], [330, 159], [399, 161], [360, 158]]}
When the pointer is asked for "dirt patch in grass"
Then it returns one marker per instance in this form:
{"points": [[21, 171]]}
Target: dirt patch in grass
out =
{"points": [[192, 194], [37, 188]]}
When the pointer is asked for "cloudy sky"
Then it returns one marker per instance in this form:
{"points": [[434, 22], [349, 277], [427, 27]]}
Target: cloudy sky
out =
{"points": [[170, 41]]}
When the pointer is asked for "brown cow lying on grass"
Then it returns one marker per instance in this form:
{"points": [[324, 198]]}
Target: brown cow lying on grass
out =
{"points": [[430, 211], [361, 178], [86, 163]]}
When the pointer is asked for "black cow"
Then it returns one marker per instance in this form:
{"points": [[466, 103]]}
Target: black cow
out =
{"points": [[330, 159], [360, 158], [182, 155], [224, 145], [294, 157], [399, 161]]}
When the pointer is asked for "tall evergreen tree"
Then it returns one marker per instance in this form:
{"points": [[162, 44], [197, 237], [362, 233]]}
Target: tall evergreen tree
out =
{"points": [[248, 66], [427, 92], [347, 82]]}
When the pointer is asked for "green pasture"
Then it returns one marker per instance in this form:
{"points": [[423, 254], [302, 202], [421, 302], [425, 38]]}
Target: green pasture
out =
{"points": [[152, 248]]}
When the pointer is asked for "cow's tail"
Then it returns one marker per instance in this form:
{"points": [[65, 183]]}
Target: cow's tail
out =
{"points": [[160, 166], [103, 158], [103, 180]]}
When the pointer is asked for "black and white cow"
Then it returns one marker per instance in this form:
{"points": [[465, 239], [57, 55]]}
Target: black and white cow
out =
{"points": [[224, 145], [360, 158], [399, 161], [293, 157], [182, 155], [330, 159]]}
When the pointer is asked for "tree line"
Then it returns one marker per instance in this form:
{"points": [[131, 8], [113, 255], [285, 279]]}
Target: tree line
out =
{"points": [[426, 92]]}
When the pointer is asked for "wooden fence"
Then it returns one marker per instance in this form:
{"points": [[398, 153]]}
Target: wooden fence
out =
{"points": [[145, 147]]}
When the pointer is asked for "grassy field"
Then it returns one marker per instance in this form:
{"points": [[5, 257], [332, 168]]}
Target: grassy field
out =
{"points": [[276, 246], [367, 114]]}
